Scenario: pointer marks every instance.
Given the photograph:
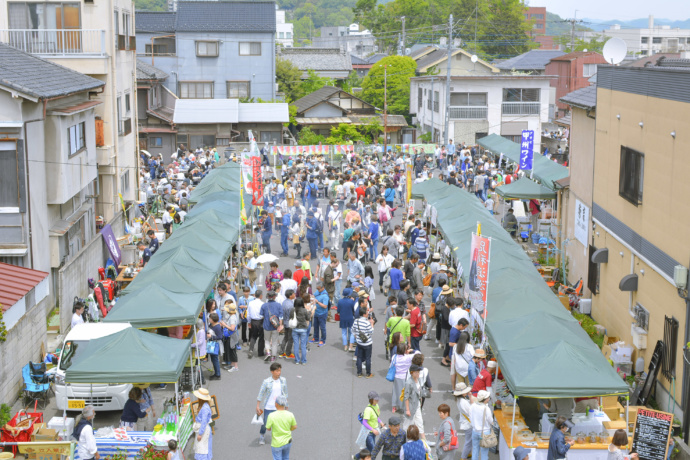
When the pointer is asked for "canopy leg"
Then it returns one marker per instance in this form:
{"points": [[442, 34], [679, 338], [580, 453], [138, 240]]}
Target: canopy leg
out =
{"points": [[627, 422], [512, 425]]}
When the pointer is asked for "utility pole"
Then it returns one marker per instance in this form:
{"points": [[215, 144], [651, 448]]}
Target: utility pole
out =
{"points": [[400, 52], [572, 22], [432, 111], [402, 46], [450, 50], [385, 109]]}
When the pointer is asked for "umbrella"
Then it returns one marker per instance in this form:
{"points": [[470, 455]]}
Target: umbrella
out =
{"points": [[266, 258], [145, 153]]}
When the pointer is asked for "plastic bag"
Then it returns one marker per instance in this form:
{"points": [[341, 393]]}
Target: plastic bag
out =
{"points": [[257, 420], [361, 440]]}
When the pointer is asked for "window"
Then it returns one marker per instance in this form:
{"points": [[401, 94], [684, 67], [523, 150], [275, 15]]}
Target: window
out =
{"points": [[656, 40], [436, 101], [202, 140], [196, 89], [155, 142], [588, 70], [40, 15], [238, 89], [207, 49], [182, 139], [128, 106], [124, 182], [157, 49], [222, 141], [250, 48], [641, 317], [643, 52], [269, 136], [120, 128], [644, 40], [288, 34], [468, 99], [9, 175], [520, 95], [593, 272], [631, 175], [538, 25], [281, 34], [537, 16], [125, 24], [419, 98], [76, 138]]}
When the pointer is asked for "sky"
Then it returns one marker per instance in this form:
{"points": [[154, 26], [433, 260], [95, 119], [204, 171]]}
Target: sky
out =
{"points": [[616, 9]]}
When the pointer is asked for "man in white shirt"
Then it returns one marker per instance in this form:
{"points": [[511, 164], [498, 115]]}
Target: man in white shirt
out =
{"points": [[457, 313], [256, 327], [334, 224], [83, 432], [287, 282]]}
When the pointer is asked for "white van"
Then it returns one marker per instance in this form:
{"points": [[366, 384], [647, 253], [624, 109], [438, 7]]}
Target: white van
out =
{"points": [[74, 396]]}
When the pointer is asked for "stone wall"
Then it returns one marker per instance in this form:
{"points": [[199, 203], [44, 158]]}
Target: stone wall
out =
{"points": [[23, 345]]}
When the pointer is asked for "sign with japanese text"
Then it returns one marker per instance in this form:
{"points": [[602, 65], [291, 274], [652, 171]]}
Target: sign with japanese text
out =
{"points": [[478, 281], [408, 182], [47, 450], [527, 150], [247, 169], [257, 182], [581, 222], [410, 208]]}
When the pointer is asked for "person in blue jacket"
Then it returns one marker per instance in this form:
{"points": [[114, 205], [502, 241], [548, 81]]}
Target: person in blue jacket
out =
{"points": [[312, 237], [558, 447], [284, 230], [266, 232]]}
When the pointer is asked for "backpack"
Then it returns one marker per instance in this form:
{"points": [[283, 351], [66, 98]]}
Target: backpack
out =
{"points": [[319, 224]]}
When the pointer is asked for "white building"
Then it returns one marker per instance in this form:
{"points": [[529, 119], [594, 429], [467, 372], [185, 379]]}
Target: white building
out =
{"points": [[284, 35], [349, 39], [652, 40], [480, 105], [96, 39]]}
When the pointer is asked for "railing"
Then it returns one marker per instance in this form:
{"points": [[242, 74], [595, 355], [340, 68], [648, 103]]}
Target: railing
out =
{"points": [[521, 108], [56, 42], [463, 113]]}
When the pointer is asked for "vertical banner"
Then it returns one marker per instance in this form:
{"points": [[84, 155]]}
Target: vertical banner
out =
{"points": [[247, 166], [408, 181], [479, 272], [257, 182], [527, 150], [410, 208], [582, 223], [111, 243]]}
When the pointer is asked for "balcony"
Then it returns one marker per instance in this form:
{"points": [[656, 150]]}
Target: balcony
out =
{"points": [[521, 108], [125, 126], [469, 113], [56, 42]]}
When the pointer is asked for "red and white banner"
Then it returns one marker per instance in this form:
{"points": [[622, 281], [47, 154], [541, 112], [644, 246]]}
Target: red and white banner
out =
{"points": [[300, 149], [257, 182], [478, 282]]}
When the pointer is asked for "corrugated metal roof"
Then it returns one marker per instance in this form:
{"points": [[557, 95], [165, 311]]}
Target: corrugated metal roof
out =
{"points": [[273, 112], [578, 54], [16, 282], [531, 60], [200, 111]]}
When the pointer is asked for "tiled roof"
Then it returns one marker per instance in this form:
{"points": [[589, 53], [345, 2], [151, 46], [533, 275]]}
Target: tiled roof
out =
{"points": [[565, 121], [421, 52], [148, 72], [318, 96], [651, 60], [368, 61], [317, 58], [39, 78], [432, 58], [16, 282], [584, 97], [148, 21], [223, 16], [531, 60], [577, 55]]}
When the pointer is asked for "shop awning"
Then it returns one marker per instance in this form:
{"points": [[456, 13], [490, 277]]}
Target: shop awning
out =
{"points": [[545, 170], [541, 349], [130, 356], [525, 189]]}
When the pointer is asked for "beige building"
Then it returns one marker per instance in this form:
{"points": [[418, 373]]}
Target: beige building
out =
{"points": [[641, 214], [96, 39]]}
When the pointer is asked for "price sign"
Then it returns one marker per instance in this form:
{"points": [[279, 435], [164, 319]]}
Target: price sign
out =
{"points": [[652, 432], [76, 404]]}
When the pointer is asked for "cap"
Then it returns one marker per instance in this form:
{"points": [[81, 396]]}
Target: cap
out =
{"points": [[520, 453], [491, 365], [298, 263], [444, 267], [395, 420], [415, 368], [373, 395]]}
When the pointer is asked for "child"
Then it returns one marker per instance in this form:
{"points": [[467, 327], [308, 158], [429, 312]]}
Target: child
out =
{"points": [[369, 281], [173, 454], [620, 439], [364, 455]]}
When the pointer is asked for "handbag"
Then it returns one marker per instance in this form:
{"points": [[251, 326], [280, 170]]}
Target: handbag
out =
{"points": [[488, 440], [213, 347], [292, 322], [336, 317], [432, 311], [390, 376], [227, 332]]}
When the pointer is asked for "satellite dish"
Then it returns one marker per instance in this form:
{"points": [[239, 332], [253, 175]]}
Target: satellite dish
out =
{"points": [[474, 58], [408, 51], [615, 50]]}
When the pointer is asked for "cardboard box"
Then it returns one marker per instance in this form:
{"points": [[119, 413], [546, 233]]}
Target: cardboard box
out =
{"points": [[615, 425], [612, 412], [606, 348], [45, 434], [609, 401], [632, 413]]}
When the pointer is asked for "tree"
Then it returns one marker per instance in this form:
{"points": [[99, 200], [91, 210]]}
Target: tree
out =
{"points": [[309, 137], [313, 82], [399, 70], [344, 133], [352, 81], [372, 127], [289, 79]]}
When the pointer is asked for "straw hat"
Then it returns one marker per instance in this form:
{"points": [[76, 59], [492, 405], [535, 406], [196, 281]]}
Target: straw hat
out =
{"points": [[461, 389], [482, 395], [446, 290], [479, 353], [363, 293], [202, 393], [142, 386], [444, 268]]}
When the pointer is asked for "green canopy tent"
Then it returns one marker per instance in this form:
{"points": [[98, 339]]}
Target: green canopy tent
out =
{"points": [[130, 356], [545, 170], [542, 350], [164, 308], [525, 189]]}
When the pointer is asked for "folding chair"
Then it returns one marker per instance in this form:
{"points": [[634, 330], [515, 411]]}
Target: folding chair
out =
{"points": [[34, 392]]}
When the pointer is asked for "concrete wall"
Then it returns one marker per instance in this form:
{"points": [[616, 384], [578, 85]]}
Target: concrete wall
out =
{"points": [[23, 345], [466, 130], [663, 218], [72, 279], [228, 66]]}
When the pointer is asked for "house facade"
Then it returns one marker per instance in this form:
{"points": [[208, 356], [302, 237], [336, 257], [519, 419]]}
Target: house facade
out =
{"points": [[212, 50], [571, 72], [155, 109], [325, 62], [284, 30], [480, 105], [349, 39], [641, 218], [95, 39]]}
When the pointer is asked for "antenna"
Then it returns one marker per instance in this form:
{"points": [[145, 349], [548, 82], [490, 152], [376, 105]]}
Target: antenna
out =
{"points": [[474, 58], [615, 50]]}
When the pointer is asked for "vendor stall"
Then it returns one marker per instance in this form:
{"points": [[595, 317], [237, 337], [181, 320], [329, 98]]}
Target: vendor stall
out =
{"points": [[542, 351], [134, 356]]}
